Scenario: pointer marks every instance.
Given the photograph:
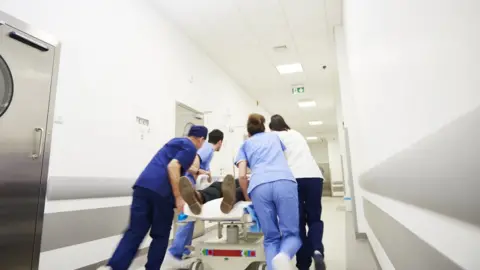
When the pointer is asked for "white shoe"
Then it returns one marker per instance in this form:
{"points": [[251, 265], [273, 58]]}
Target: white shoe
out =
{"points": [[104, 268], [172, 263], [282, 262]]}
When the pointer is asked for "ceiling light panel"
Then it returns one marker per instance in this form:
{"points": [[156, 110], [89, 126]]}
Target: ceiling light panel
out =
{"points": [[312, 138], [291, 68], [315, 123], [307, 104]]}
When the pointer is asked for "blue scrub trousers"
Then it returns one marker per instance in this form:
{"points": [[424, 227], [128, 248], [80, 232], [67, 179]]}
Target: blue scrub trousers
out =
{"points": [[276, 205], [149, 211], [183, 237], [310, 211]]}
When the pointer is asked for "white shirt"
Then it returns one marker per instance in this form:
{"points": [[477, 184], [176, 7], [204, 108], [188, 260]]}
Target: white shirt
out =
{"points": [[299, 157]]}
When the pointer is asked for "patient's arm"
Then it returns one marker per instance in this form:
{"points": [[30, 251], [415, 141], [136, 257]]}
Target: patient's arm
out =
{"points": [[242, 179]]}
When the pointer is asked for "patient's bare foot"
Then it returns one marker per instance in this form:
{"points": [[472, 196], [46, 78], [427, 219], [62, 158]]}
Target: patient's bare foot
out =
{"points": [[229, 194], [189, 195]]}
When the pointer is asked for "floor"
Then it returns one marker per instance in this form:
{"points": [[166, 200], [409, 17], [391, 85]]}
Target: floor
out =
{"points": [[339, 241]]}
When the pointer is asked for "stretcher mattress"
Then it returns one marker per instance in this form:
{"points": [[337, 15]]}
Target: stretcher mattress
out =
{"points": [[211, 211]]}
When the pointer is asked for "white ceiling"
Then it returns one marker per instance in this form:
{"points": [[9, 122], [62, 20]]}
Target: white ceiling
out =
{"points": [[239, 35]]}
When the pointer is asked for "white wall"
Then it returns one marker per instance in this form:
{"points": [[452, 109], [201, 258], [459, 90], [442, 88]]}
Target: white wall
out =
{"points": [[319, 151], [413, 68], [334, 160], [347, 114], [120, 59]]}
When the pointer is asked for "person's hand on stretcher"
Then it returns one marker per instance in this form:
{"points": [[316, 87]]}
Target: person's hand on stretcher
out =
{"points": [[204, 172]]}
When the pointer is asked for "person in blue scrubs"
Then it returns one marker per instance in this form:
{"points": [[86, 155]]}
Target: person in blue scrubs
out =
{"points": [[155, 195], [184, 234], [273, 192]]}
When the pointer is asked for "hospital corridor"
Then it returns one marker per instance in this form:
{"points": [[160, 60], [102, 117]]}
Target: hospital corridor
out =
{"points": [[239, 135]]}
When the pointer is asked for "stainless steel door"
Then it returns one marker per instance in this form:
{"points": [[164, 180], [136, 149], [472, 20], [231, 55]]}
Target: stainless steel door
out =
{"points": [[26, 74]]}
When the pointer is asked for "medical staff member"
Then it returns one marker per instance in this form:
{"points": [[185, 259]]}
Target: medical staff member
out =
{"points": [[310, 186], [155, 194], [184, 234], [273, 191]]}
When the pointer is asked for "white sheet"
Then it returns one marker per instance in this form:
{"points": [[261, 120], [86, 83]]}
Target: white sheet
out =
{"points": [[211, 211]]}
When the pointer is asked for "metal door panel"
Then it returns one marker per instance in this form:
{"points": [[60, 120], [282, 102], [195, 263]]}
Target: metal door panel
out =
{"points": [[23, 133]]}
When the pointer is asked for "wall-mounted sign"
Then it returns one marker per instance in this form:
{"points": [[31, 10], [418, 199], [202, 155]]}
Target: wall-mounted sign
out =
{"points": [[144, 126], [143, 121], [298, 90]]}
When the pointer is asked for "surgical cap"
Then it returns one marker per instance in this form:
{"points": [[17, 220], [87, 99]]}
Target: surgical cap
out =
{"points": [[198, 131]]}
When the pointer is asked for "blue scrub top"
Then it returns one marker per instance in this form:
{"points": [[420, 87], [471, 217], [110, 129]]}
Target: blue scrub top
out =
{"points": [[205, 153], [265, 158], [155, 175]]}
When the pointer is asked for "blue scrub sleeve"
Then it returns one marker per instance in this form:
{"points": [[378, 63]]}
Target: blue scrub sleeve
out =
{"points": [[241, 155], [204, 153], [186, 157]]}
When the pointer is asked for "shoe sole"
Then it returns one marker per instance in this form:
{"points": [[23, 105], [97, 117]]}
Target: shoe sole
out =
{"points": [[188, 194], [228, 191], [320, 264]]}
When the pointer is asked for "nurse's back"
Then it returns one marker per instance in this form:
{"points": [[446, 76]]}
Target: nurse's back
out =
{"points": [[266, 160], [300, 159]]}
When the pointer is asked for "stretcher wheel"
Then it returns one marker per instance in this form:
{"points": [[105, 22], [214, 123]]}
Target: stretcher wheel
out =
{"points": [[197, 265], [259, 266]]}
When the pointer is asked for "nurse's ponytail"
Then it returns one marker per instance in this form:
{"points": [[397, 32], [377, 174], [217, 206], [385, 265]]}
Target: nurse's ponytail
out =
{"points": [[255, 124]]}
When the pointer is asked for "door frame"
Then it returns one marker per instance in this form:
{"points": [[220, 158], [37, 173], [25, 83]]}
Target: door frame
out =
{"points": [[35, 34]]}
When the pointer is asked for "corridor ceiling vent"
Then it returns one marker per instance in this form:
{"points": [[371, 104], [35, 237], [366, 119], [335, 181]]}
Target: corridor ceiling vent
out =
{"points": [[315, 123], [312, 138], [290, 68], [280, 49], [307, 104]]}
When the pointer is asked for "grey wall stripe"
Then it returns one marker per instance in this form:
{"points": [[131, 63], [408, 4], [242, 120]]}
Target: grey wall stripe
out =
{"points": [[70, 228], [69, 188], [65, 188], [441, 172], [405, 250]]}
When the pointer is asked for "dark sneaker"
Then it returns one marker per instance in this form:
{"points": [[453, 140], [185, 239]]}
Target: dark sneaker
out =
{"points": [[189, 196], [319, 261], [229, 194]]}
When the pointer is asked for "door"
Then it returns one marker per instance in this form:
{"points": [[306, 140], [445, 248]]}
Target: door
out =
{"points": [[26, 71], [185, 117]]}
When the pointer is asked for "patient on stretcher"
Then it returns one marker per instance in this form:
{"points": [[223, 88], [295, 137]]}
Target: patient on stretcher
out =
{"points": [[229, 190]]}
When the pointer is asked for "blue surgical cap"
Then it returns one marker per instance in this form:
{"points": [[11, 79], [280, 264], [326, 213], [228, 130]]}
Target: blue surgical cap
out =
{"points": [[198, 131]]}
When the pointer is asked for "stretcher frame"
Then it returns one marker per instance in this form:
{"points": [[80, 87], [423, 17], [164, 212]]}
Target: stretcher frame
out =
{"points": [[235, 247]]}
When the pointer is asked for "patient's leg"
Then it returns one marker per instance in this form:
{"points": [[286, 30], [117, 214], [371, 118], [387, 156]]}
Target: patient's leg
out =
{"points": [[229, 194], [189, 195], [195, 199], [212, 192]]}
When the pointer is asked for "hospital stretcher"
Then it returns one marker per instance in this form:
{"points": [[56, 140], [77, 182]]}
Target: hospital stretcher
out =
{"points": [[235, 247]]}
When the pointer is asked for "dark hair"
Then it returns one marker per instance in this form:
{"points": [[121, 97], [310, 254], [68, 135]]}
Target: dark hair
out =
{"points": [[215, 136], [277, 123], [255, 124]]}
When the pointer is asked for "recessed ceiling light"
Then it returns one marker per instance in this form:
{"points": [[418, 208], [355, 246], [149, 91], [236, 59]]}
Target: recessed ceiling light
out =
{"points": [[291, 68], [315, 123], [307, 104], [313, 138]]}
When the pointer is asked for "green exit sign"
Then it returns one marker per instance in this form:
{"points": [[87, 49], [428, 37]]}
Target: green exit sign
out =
{"points": [[298, 90]]}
